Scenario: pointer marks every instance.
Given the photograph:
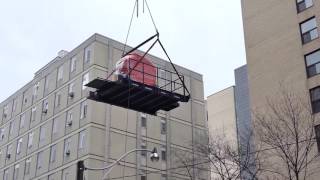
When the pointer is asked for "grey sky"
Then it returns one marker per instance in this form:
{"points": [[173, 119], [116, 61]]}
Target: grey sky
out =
{"points": [[205, 36]]}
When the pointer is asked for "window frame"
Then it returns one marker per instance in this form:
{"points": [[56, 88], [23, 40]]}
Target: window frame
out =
{"points": [[73, 63], [33, 113], [42, 134], [27, 166], [16, 171], [40, 159], [19, 145], [82, 139], [83, 109], [303, 1], [302, 34], [60, 73], [22, 122], [306, 65], [30, 139], [53, 153], [85, 80]]}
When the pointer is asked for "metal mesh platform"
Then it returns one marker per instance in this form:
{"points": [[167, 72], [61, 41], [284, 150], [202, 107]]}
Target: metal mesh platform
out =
{"points": [[134, 95]]}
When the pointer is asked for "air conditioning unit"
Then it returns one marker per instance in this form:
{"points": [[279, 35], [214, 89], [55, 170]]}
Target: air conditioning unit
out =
{"points": [[4, 115], [8, 156], [45, 111], [69, 123], [71, 94], [68, 153]]}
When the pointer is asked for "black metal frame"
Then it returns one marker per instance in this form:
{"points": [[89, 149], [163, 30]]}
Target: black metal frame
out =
{"points": [[139, 96]]}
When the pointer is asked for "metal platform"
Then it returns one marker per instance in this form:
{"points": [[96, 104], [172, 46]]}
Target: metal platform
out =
{"points": [[134, 95]]}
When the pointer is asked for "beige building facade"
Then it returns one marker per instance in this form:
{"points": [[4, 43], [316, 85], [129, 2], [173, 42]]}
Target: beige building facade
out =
{"points": [[283, 50], [222, 115], [48, 125]]}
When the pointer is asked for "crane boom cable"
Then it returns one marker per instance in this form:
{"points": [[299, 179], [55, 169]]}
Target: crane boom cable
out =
{"points": [[130, 24]]}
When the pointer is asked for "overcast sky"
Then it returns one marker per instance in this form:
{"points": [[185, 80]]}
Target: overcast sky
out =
{"points": [[205, 36]]}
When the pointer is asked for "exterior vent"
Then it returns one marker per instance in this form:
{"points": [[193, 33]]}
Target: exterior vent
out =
{"points": [[69, 124], [71, 94], [68, 153], [62, 53]]}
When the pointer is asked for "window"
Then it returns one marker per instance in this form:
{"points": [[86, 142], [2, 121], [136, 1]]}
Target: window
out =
{"points": [[313, 63], [163, 153], [69, 118], [60, 73], [303, 5], [46, 84], [33, 113], [163, 176], [22, 120], [83, 109], [73, 64], [315, 99], [309, 30], [30, 140], [27, 166], [6, 174], [163, 126], [5, 111], [87, 55], [25, 99], [35, 90], [45, 106], [2, 133], [143, 120], [317, 131], [143, 174], [12, 126], [16, 172], [19, 145], [71, 90], [40, 160], [55, 127], [82, 140], [53, 153], [143, 146], [66, 176], [9, 151], [67, 144], [42, 134], [58, 99], [85, 80], [14, 106]]}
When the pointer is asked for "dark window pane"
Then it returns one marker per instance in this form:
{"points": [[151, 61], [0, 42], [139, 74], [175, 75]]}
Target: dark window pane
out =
{"points": [[311, 71], [309, 30], [301, 6], [316, 106], [143, 122], [317, 132], [163, 155], [306, 38]]}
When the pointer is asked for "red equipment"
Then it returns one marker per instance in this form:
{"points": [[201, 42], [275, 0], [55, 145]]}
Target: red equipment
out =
{"points": [[130, 67]]}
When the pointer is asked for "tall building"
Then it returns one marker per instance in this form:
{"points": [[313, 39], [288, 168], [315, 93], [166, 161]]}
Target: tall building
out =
{"points": [[283, 50], [48, 125], [229, 116], [222, 115]]}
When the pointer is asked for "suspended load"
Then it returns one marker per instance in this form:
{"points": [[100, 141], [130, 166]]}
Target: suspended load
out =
{"points": [[137, 84], [144, 72]]}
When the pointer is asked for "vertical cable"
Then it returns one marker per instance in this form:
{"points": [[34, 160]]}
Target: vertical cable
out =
{"points": [[125, 44]]}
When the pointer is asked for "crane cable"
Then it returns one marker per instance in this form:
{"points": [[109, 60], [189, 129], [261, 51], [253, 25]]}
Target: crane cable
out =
{"points": [[136, 6]]}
